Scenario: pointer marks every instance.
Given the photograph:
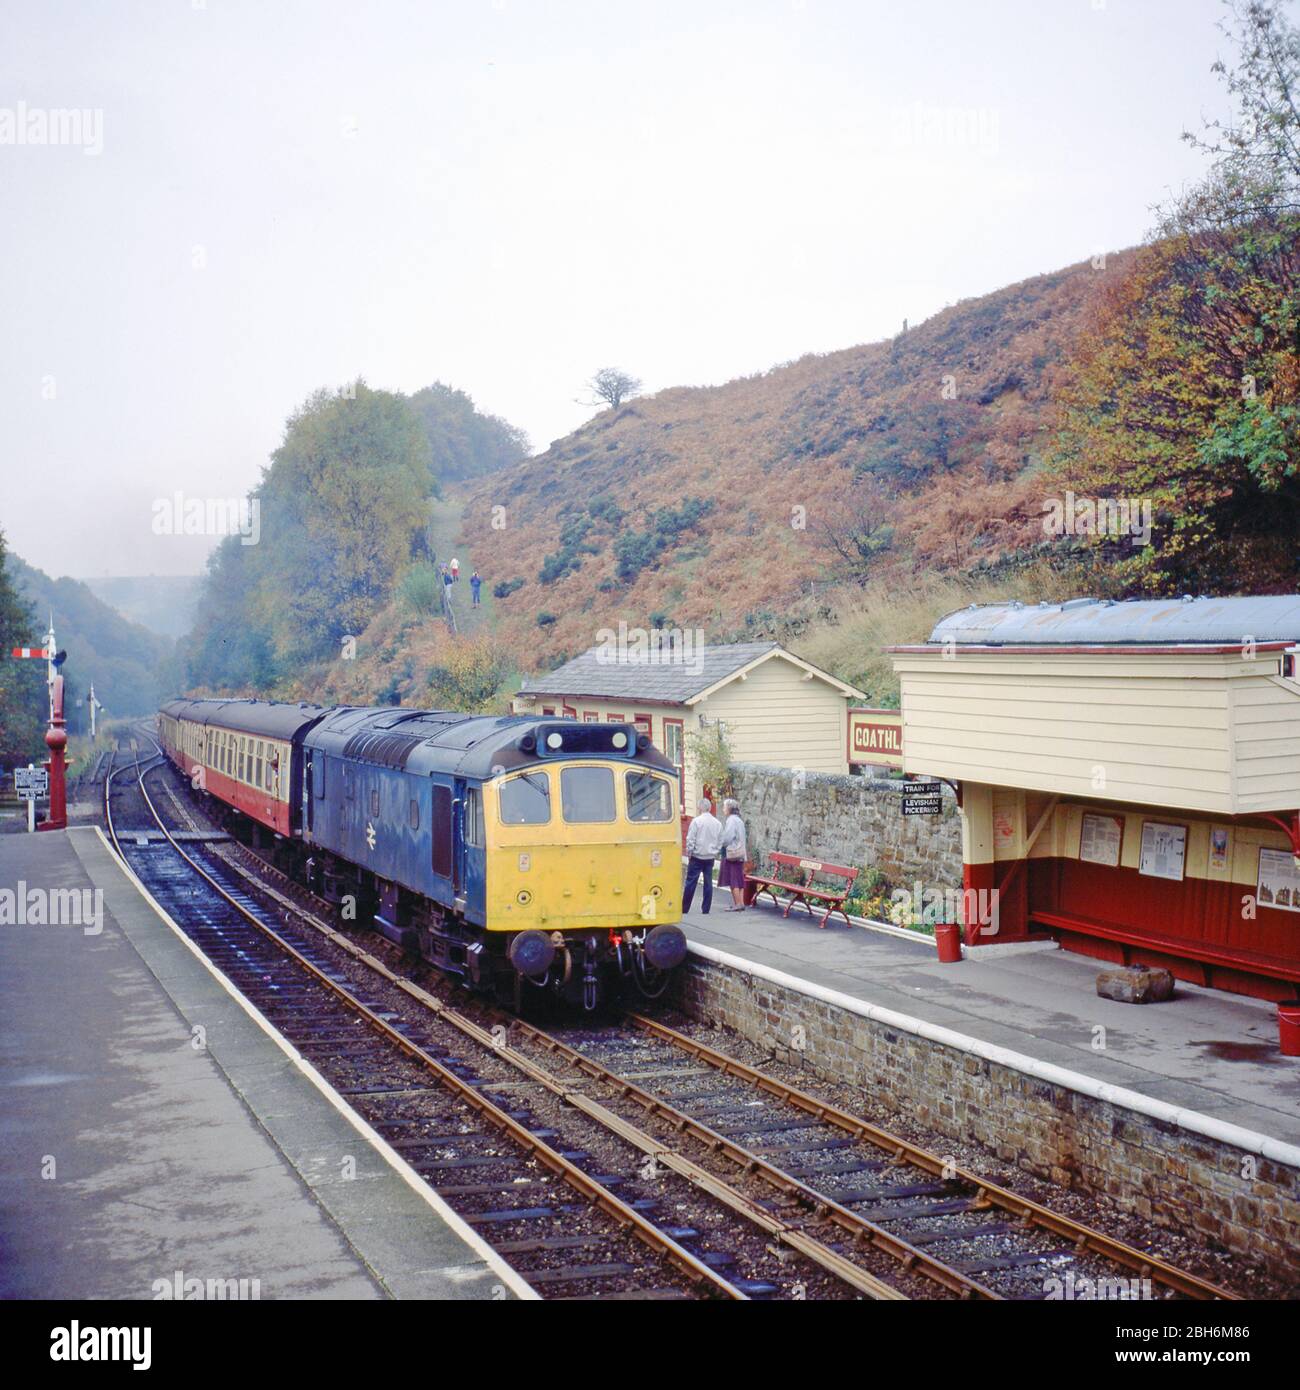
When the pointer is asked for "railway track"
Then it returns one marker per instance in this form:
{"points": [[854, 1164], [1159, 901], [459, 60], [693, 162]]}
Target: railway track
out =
{"points": [[840, 1207], [739, 1248]]}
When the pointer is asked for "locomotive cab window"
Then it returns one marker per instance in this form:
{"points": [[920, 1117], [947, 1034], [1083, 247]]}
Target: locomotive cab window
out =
{"points": [[649, 798], [525, 800], [474, 829], [587, 794]]}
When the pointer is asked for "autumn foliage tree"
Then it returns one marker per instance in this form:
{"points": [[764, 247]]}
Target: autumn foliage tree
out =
{"points": [[1186, 389]]}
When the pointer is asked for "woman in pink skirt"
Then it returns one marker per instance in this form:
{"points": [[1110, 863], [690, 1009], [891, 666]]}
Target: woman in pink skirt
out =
{"points": [[734, 851]]}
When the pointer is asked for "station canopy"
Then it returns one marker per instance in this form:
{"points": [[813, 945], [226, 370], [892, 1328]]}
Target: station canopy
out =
{"points": [[1130, 622]]}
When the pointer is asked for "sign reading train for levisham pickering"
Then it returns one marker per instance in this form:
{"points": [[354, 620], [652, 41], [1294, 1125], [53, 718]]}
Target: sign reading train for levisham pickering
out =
{"points": [[922, 799], [876, 737]]}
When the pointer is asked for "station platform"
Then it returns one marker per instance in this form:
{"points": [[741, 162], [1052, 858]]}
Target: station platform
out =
{"points": [[1203, 1051], [132, 1163]]}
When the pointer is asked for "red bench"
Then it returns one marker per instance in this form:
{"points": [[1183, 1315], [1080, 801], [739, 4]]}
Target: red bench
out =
{"points": [[797, 876]]}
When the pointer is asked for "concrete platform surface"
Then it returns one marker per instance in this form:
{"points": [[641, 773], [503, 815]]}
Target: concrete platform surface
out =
{"points": [[1204, 1050], [129, 1156]]}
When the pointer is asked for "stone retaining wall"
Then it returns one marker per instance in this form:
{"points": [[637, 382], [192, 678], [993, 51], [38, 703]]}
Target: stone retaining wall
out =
{"points": [[1159, 1171], [848, 820]]}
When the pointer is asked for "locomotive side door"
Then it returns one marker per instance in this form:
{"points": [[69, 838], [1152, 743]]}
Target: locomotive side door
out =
{"points": [[458, 843], [309, 792]]}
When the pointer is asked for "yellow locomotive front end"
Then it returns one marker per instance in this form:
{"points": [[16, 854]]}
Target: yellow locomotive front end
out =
{"points": [[583, 867]]}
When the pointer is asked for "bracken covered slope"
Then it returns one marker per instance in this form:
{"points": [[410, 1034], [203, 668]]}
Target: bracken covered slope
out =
{"points": [[732, 497]]}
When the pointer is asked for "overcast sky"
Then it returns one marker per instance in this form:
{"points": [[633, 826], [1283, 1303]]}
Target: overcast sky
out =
{"points": [[506, 194]]}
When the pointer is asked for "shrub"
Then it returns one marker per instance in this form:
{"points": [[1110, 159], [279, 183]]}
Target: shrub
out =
{"points": [[506, 587], [545, 619], [422, 588]]}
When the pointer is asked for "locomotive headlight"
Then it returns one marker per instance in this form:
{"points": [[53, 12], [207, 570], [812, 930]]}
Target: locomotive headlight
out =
{"points": [[656, 891], [554, 740], [523, 897], [619, 740]]}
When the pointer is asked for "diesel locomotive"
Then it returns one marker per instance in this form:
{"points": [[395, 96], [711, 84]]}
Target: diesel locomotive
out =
{"points": [[513, 852]]}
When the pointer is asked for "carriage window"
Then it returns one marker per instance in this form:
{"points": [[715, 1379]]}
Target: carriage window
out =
{"points": [[374, 801], [257, 760], [587, 794], [525, 800], [474, 829], [649, 798]]}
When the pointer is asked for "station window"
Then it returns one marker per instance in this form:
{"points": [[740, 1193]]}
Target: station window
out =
{"points": [[474, 828], [525, 800], [587, 794], [649, 798]]}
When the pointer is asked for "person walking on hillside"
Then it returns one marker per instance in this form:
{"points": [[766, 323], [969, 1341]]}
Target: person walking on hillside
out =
{"points": [[734, 853], [703, 842], [475, 584], [455, 569]]}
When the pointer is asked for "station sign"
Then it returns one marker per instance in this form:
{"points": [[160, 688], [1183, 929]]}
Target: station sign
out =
{"points": [[31, 783], [922, 799], [875, 738]]}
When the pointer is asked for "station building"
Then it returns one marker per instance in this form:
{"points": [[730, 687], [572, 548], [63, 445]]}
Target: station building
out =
{"points": [[775, 707], [1128, 775]]}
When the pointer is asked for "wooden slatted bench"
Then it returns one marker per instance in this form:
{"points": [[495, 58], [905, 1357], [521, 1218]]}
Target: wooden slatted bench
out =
{"points": [[797, 876], [1245, 962]]}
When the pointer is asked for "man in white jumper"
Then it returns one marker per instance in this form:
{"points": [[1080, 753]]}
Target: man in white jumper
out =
{"points": [[703, 845]]}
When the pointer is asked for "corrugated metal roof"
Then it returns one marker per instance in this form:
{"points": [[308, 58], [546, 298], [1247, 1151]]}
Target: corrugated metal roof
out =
{"points": [[1105, 622], [667, 678]]}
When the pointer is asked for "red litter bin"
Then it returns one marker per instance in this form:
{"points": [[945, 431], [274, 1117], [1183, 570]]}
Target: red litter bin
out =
{"points": [[947, 937], [1288, 1027]]}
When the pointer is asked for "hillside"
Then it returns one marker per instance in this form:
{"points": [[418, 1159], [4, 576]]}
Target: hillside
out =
{"points": [[725, 507], [131, 667], [163, 603]]}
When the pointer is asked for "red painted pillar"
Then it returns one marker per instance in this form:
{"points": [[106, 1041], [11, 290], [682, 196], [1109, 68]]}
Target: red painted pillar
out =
{"points": [[56, 740]]}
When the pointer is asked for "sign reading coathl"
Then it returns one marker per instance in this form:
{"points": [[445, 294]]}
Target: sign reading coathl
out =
{"points": [[875, 737]]}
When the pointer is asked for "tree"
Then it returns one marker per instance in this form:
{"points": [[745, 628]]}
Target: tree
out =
{"points": [[464, 442], [612, 387], [23, 701], [860, 530], [1186, 390], [342, 506]]}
